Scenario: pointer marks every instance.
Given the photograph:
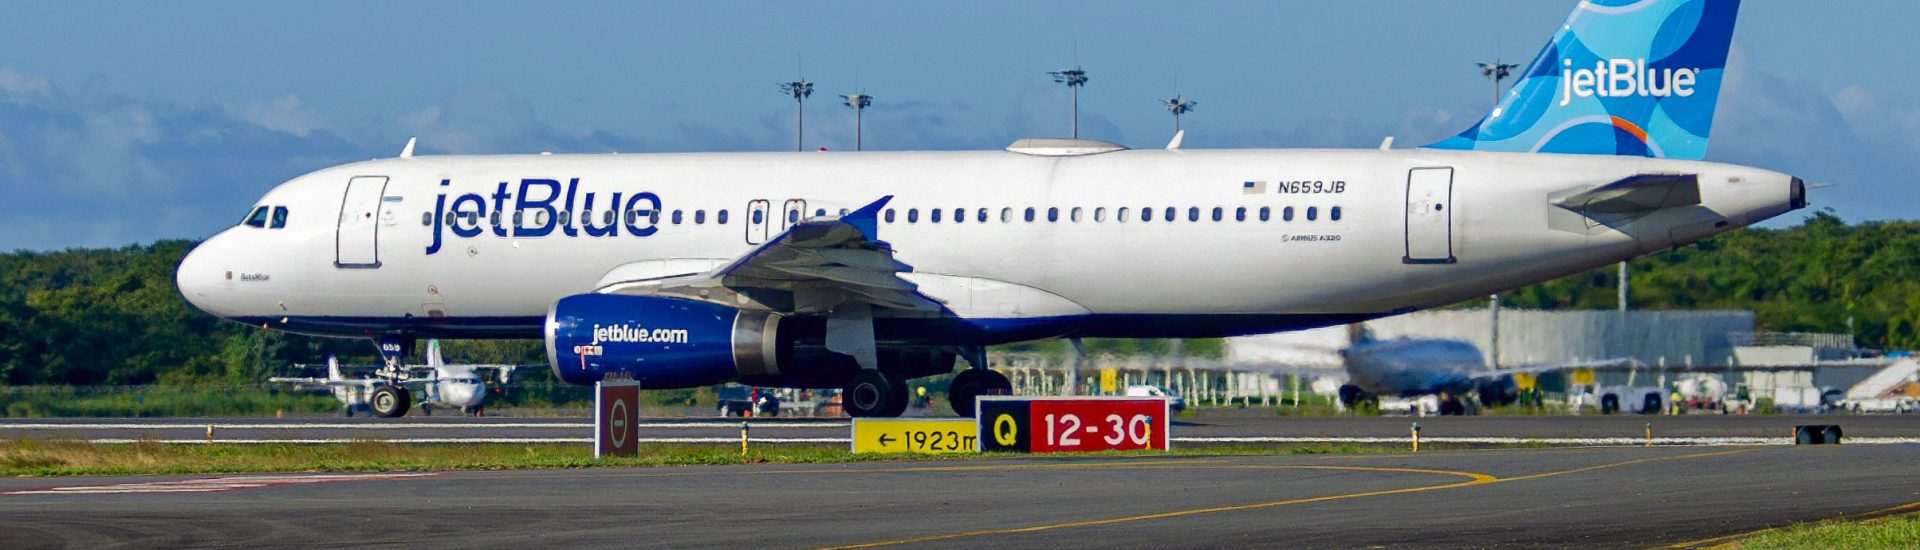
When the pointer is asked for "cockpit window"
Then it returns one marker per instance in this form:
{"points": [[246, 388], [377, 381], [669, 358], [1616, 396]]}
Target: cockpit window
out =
{"points": [[258, 218], [279, 217]]}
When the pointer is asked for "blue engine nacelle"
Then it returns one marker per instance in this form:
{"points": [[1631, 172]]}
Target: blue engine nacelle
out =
{"points": [[662, 342]]}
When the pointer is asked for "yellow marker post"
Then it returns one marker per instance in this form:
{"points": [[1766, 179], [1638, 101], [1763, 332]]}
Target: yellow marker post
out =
{"points": [[1649, 434], [1416, 437], [743, 439], [921, 436]]}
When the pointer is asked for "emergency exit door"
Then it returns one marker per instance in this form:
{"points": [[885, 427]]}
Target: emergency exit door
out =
{"points": [[357, 238], [795, 210], [757, 221], [1429, 216]]}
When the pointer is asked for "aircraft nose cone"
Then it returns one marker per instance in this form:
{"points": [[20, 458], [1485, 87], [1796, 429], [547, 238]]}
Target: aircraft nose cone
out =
{"points": [[197, 278]]}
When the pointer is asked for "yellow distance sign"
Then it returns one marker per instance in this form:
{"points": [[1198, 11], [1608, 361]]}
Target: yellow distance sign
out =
{"points": [[924, 436]]}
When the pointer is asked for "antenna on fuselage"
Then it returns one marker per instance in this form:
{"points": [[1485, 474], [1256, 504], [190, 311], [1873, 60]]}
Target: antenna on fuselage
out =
{"points": [[407, 152]]}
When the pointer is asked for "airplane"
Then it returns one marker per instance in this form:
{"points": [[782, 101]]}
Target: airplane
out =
{"points": [[861, 270], [1445, 368], [459, 387]]}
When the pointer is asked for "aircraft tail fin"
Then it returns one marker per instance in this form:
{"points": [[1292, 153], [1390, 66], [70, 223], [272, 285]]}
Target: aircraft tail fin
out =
{"points": [[1621, 77], [433, 355], [333, 368]]}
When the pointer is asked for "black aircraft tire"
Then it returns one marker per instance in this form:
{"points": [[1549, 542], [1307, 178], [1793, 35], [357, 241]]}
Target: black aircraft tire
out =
{"points": [[1609, 404], [871, 394], [899, 398], [390, 401], [964, 392]]}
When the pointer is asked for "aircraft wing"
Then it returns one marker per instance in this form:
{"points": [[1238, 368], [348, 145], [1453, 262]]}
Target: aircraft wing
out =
{"points": [[1613, 364], [314, 382], [812, 267]]}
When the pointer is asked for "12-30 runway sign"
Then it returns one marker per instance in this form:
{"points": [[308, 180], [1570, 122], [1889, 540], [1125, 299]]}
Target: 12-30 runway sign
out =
{"points": [[1073, 424]]}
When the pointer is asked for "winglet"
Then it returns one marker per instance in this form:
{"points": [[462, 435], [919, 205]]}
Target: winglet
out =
{"points": [[867, 218], [407, 152]]}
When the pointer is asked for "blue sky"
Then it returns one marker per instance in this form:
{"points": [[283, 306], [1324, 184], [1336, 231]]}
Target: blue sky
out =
{"points": [[129, 122]]}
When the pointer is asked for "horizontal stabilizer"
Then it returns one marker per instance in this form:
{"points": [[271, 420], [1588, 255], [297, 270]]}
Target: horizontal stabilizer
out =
{"points": [[1638, 194]]}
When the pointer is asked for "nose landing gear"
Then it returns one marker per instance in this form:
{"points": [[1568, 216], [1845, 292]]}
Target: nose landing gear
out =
{"points": [[390, 401]]}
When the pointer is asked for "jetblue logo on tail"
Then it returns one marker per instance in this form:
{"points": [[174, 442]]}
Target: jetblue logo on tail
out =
{"points": [[1623, 78]]}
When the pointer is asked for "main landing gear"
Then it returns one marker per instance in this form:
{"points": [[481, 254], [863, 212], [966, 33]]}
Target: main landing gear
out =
{"points": [[970, 384], [874, 394], [390, 401]]}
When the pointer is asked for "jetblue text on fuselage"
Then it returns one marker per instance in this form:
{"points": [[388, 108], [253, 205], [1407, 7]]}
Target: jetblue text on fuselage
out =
{"points": [[1622, 78], [535, 211]]}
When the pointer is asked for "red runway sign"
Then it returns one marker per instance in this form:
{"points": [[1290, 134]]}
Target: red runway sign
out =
{"points": [[1063, 424], [616, 418]]}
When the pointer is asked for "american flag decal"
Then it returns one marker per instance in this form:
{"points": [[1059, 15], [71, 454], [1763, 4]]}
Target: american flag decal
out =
{"points": [[1254, 187]]}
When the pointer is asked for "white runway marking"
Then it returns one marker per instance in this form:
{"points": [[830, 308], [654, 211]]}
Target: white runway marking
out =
{"points": [[470, 440], [209, 485], [407, 426], [1567, 441]]}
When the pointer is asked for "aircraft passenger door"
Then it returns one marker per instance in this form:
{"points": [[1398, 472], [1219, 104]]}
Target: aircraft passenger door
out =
{"points": [[356, 240], [794, 211], [1429, 216], [757, 221]]}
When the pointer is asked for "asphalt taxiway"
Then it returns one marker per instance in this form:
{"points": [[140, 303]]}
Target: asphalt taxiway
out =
{"points": [[1203, 429], [1615, 496]]}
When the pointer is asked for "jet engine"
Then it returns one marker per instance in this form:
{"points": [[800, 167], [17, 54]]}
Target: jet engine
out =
{"points": [[662, 342]]}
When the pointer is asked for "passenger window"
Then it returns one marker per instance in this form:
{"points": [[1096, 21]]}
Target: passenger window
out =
{"points": [[1266, 213], [1313, 212], [844, 211], [676, 217], [1053, 214], [699, 217], [1193, 213], [1216, 214], [1006, 214], [1121, 216], [1333, 213], [959, 215], [913, 215], [279, 217], [1240, 214], [258, 218], [566, 217], [1100, 214], [494, 218], [426, 219], [633, 217], [1074, 214], [820, 213], [1146, 214], [1286, 214], [517, 216], [608, 218], [1170, 216], [889, 215], [793, 216], [933, 215], [720, 217], [1029, 214], [983, 216]]}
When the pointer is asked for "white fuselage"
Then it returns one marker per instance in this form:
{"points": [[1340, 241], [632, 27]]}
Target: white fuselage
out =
{"points": [[1404, 240]]}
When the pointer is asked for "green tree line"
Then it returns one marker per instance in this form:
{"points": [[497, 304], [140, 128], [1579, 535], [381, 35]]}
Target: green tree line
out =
{"points": [[114, 316]]}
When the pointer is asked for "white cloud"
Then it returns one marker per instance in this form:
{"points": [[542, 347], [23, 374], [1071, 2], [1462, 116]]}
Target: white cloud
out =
{"points": [[285, 113]]}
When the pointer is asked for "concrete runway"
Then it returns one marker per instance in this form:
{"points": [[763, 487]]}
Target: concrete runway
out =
{"points": [[1620, 496], [1620, 429]]}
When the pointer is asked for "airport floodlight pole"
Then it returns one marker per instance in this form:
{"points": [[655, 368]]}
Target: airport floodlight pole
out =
{"points": [[1074, 78], [1497, 71], [799, 89], [859, 104], [1178, 106]]}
